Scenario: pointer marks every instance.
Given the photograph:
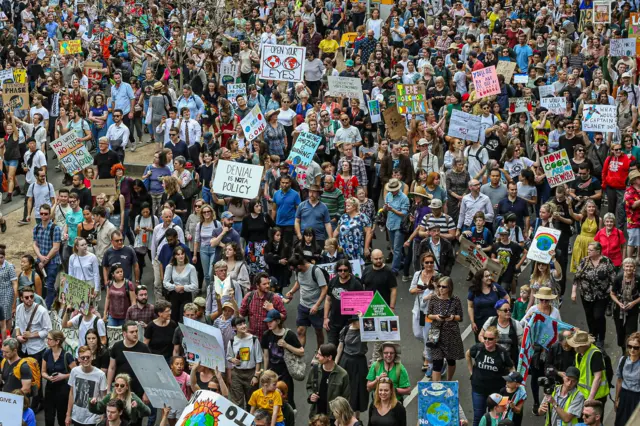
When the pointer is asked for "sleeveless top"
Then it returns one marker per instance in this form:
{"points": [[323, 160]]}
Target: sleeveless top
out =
{"points": [[119, 300], [24, 281]]}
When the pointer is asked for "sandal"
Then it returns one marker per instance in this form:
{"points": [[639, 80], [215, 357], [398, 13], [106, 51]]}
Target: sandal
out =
{"points": [[425, 366]]}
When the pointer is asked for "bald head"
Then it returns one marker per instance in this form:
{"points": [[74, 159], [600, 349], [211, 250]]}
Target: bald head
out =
{"points": [[377, 258], [474, 186]]}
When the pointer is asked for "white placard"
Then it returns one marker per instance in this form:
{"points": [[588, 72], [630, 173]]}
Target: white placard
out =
{"points": [[520, 78], [546, 91], [557, 106], [6, 76], [237, 179], [346, 87], [228, 72], [213, 409], [464, 126], [622, 47], [235, 89], [545, 240], [599, 118], [282, 63], [11, 409], [203, 343], [253, 124]]}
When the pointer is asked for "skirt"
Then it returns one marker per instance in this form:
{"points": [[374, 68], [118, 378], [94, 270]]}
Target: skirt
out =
{"points": [[626, 406], [356, 365]]}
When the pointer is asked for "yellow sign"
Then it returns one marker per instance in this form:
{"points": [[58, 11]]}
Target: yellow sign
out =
{"points": [[70, 47], [348, 37], [20, 75]]}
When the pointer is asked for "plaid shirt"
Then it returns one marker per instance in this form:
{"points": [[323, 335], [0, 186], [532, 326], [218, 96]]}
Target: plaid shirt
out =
{"points": [[145, 315], [256, 313], [41, 236], [358, 169]]}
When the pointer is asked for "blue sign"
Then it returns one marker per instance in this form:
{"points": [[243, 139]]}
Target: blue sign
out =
{"points": [[438, 404]]}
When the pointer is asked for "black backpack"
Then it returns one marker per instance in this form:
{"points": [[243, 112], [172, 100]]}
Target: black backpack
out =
{"points": [[608, 367], [324, 272]]}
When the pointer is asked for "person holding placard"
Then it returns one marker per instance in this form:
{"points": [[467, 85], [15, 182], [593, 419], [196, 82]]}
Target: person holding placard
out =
{"points": [[86, 382]]}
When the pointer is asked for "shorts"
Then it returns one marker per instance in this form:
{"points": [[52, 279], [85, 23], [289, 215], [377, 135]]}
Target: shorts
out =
{"points": [[634, 237], [11, 163], [306, 319]]}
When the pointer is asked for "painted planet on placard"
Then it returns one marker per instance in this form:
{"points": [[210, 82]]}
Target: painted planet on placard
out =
{"points": [[291, 63], [544, 242], [273, 61]]}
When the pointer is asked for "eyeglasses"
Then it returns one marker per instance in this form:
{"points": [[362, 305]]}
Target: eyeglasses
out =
{"points": [[384, 380], [429, 262], [616, 149], [117, 115], [28, 297], [443, 286], [141, 287], [119, 240], [634, 348], [84, 358], [489, 339], [506, 311], [173, 134], [388, 353], [119, 385], [44, 213]]}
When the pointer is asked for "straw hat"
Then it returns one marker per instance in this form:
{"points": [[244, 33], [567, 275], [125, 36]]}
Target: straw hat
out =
{"points": [[453, 46], [633, 175], [158, 85], [271, 112], [580, 338], [545, 293], [393, 185], [420, 191]]}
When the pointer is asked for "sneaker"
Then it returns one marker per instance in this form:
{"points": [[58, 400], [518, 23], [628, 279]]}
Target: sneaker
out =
{"points": [[534, 409], [3, 226], [8, 197], [133, 148], [23, 222], [406, 278], [429, 372], [58, 168]]}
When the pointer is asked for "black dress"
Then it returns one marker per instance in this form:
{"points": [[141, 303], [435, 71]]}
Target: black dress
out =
{"points": [[354, 360], [450, 344]]}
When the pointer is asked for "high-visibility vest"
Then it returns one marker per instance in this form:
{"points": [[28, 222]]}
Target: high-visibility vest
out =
{"points": [[586, 376], [567, 404]]}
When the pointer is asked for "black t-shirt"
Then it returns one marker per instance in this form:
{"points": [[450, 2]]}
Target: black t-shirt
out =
{"points": [[269, 342], [381, 280], [494, 146], [122, 365], [101, 360], [84, 197], [586, 188], [126, 256], [11, 382], [568, 144], [565, 229], [160, 338], [488, 369], [508, 256], [322, 405], [336, 288], [105, 162], [205, 173]]}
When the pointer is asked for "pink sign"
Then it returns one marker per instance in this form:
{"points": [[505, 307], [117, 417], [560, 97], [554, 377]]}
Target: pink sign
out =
{"points": [[352, 302], [486, 82]]}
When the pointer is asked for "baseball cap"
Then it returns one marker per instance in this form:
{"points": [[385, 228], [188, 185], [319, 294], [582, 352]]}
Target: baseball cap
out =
{"points": [[227, 215], [514, 376], [502, 230], [572, 372], [499, 399], [200, 301], [273, 315]]}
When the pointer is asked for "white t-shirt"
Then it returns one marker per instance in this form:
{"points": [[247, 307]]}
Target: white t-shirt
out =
{"points": [[476, 158], [42, 110], [84, 326], [286, 117], [86, 386], [41, 194], [352, 134], [39, 160], [515, 167]]}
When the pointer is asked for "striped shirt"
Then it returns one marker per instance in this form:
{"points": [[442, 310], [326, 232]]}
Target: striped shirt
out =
{"points": [[334, 202], [444, 222]]}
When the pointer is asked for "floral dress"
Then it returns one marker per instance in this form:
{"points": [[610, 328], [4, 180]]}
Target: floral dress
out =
{"points": [[450, 344], [595, 281], [352, 235], [348, 187]]}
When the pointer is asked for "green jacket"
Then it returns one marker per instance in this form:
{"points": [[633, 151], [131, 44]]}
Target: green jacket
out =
{"points": [[137, 413], [338, 385]]}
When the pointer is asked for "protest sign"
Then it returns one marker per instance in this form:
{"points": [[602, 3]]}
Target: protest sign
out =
{"points": [[485, 81], [253, 124], [203, 343], [601, 11], [211, 408], [438, 403], [11, 407], [411, 99], [70, 47], [546, 91], [517, 105], [520, 78], [75, 293], [71, 335], [103, 186], [374, 111], [347, 38], [71, 153], [543, 242], [464, 126], [622, 47], [356, 268], [91, 70], [634, 25], [234, 90], [15, 96], [557, 168], [20, 75], [228, 72], [282, 63], [586, 15], [352, 302], [114, 334], [6, 76], [237, 179], [395, 123], [506, 69], [303, 150], [157, 380], [346, 87], [475, 259], [379, 323], [557, 106], [599, 118]]}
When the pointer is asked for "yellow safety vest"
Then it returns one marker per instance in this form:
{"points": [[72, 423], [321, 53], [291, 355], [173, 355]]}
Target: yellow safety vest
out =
{"points": [[567, 404], [586, 376]]}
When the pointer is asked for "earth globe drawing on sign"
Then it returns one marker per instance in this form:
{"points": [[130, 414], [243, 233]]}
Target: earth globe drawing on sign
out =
{"points": [[297, 160], [438, 414]]}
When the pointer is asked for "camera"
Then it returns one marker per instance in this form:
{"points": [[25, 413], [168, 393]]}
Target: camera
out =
{"points": [[548, 382]]}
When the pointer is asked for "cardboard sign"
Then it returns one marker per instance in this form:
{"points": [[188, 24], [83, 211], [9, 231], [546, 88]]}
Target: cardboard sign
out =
{"points": [[228, 72], [282, 63], [353, 302], [210, 408], [395, 123], [71, 335], [70, 47], [379, 322], [557, 168], [622, 47], [346, 87], [374, 111], [76, 293], [557, 106], [545, 240], [517, 105], [237, 179], [6, 76], [203, 343], [438, 403], [546, 91], [234, 90], [15, 96], [157, 380], [486, 82], [303, 150], [599, 118], [506, 68], [634, 25], [475, 259], [601, 11], [464, 126], [11, 407], [71, 153], [90, 70], [411, 99], [253, 124], [103, 186], [520, 78], [20, 75], [586, 15]]}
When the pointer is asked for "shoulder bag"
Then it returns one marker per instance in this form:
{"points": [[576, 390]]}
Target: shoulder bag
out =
{"points": [[295, 364]]}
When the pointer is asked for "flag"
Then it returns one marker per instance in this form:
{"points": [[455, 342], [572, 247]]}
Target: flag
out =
{"points": [[540, 330]]}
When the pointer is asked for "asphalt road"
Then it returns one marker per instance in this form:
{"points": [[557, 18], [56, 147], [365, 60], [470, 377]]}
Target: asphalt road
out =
{"points": [[411, 348]]}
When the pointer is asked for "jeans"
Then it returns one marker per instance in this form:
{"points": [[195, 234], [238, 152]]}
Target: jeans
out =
{"points": [[207, 254], [397, 241], [50, 282], [206, 195], [615, 199], [596, 319], [127, 229], [113, 322], [479, 406], [98, 133]]}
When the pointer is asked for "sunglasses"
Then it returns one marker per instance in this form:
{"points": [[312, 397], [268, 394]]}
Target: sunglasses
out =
{"points": [[505, 310], [428, 263], [84, 358], [119, 385], [343, 270], [489, 339], [28, 297], [635, 348], [443, 286]]}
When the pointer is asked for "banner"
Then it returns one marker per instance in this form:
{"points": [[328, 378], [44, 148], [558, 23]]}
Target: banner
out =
{"points": [[622, 47], [374, 111], [203, 343], [557, 168], [475, 259], [379, 323], [356, 268], [438, 403], [546, 91], [157, 380], [71, 153], [75, 293], [557, 106], [70, 47], [237, 179], [545, 240], [207, 408], [6, 76], [485, 81], [599, 118], [540, 330], [601, 11], [396, 125], [506, 69], [20, 75], [15, 96], [228, 72], [11, 407], [464, 126], [303, 150], [352, 302], [411, 99], [634, 25], [346, 87], [253, 124], [282, 63], [103, 186], [518, 105]]}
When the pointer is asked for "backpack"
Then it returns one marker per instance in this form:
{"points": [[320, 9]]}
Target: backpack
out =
{"points": [[608, 367], [33, 365], [250, 296], [476, 155], [324, 273]]}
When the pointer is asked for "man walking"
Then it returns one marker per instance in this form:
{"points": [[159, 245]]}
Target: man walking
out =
{"points": [[396, 204], [46, 243]]}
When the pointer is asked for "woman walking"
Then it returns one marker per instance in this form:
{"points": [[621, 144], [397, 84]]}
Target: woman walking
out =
{"points": [[255, 232], [56, 366], [181, 281], [352, 356], [625, 294], [628, 385], [354, 231], [120, 296]]}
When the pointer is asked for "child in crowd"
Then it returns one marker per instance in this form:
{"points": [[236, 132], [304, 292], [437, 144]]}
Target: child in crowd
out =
{"points": [[521, 304], [268, 398], [332, 251]]}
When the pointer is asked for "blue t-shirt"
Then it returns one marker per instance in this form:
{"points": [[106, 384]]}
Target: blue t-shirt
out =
{"points": [[522, 56], [314, 217], [29, 417], [286, 203], [483, 304]]}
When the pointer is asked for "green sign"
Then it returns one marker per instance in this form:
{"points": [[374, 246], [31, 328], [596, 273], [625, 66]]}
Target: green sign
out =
{"points": [[378, 308]]}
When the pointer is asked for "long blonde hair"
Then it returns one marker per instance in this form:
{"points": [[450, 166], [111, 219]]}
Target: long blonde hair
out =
{"points": [[127, 395], [341, 410], [393, 398]]}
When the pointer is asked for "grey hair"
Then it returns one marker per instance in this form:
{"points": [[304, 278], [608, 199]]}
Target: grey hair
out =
{"points": [[629, 261], [220, 264], [180, 159], [261, 414], [596, 245], [355, 202], [190, 307], [609, 216], [11, 343], [186, 86]]}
